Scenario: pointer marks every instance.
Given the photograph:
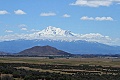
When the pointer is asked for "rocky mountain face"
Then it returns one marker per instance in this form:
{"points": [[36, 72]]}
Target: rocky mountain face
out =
{"points": [[43, 51]]}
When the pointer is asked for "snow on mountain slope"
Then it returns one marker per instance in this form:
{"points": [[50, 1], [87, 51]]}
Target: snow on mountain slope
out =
{"points": [[53, 33]]}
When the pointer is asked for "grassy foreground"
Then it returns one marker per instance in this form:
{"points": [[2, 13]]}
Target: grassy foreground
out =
{"points": [[44, 68], [62, 61]]}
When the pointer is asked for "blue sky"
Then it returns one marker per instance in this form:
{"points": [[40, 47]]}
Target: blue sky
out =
{"points": [[78, 16]]}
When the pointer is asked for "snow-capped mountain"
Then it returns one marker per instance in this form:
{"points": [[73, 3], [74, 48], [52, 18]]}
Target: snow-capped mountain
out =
{"points": [[93, 43], [53, 33]]}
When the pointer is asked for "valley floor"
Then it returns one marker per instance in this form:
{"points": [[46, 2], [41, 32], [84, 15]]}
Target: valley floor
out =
{"points": [[45, 68], [114, 62]]}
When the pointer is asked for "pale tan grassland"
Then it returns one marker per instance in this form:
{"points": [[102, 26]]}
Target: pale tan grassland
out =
{"points": [[62, 61]]}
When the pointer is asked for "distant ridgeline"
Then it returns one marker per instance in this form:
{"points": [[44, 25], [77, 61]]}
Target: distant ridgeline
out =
{"points": [[4, 53], [73, 47]]}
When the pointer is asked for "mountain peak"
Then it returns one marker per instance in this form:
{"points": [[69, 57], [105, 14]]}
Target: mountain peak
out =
{"points": [[51, 28], [53, 31]]}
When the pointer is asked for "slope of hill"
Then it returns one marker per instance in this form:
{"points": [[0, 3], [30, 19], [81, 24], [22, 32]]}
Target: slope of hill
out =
{"points": [[3, 53], [43, 51], [74, 47]]}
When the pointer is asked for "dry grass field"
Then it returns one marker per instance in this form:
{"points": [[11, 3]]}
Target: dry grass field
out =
{"points": [[67, 68], [63, 61]]}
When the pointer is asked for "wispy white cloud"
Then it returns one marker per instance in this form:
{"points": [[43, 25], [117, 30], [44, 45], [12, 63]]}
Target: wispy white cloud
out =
{"points": [[22, 25], [34, 30], [86, 18], [8, 31], [24, 29], [19, 12], [48, 14], [97, 18], [66, 16], [104, 19], [3, 12], [95, 3], [94, 37]]}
